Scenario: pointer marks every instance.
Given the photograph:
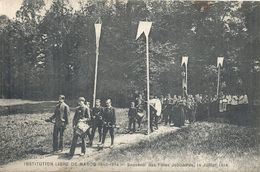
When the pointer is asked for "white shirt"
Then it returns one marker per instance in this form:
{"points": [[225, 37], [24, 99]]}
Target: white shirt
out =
{"points": [[245, 99], [157, 105], [229, 98], [234, 100]]}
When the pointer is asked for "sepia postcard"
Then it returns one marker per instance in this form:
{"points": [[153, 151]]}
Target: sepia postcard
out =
{"points": [[129, 85]]}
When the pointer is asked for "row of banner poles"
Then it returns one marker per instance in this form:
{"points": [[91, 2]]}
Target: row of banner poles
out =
{"points": [[97, 25], [184, 63], [145, 27]]}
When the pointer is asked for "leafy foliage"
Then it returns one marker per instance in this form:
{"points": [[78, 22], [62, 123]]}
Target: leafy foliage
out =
{"points": [[46, 54]]}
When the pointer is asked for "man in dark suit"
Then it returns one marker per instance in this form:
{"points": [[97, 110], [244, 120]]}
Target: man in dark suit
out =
{"points": [[167, 109], [109, 119], [81, 115], [132, 114], [60, 116], [97, 123]]}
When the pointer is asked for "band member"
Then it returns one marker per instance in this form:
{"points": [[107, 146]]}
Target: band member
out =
{"points": [[132, 113], [205, 103], [167, 109], [188, 109], [81, 115], [140, 111], [194, 109], [173, 109], [199, 104], [156, 103], [97, 116], [222, 101], [60, 116], [109, 119], [89, 112], [180, 119], [162, 99], [152, 117]]}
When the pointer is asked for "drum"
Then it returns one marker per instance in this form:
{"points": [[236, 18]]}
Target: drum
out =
{"points": [[81, 128]]}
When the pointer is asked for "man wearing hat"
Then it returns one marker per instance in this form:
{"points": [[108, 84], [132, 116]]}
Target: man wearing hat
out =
{"points": [[109, 118], [81, 116], [97, 123], [60, 116]]}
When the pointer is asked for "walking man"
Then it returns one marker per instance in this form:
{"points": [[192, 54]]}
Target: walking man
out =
{"points": [[60, 116], [97, 123], [80, 126], [109, 122]]}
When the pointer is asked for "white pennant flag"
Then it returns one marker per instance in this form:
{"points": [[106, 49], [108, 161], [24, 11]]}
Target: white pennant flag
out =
{"points": [[220, 61], [145, 27], [98, 32], [184, 60]]}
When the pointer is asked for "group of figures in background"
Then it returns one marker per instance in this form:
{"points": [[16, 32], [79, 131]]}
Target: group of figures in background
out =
{"points": [[180, 110], [85, 122]]}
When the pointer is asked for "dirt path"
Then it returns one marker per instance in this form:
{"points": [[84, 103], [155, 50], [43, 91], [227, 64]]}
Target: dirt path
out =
{"points": [[59, 162]]}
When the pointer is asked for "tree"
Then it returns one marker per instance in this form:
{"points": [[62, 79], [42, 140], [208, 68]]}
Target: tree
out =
{"points": [[54, 53]]}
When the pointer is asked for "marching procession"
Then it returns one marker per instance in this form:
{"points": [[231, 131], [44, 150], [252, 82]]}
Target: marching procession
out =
{"points": [[170, 111], [85, 122]]}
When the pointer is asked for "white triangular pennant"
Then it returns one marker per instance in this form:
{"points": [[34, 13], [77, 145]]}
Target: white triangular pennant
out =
{"points": [[220, 61], [184, 60], [145, 27], [98, 32]]}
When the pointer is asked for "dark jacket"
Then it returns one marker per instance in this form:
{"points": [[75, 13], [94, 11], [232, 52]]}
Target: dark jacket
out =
{"points": [[132, 112], [109, 116], [97, 115], [80, 113], [61, 114]]}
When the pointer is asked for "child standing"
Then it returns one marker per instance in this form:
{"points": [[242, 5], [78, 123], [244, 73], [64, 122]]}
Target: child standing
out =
{"points": [[132, 113]]}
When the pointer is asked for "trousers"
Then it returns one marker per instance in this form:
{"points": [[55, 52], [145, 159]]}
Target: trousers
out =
{"points": [[58, 137], [74, 144], [94, 128], [111, 132]]}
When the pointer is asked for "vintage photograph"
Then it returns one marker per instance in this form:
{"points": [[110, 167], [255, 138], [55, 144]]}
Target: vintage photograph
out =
{"points": [[129, 85]]}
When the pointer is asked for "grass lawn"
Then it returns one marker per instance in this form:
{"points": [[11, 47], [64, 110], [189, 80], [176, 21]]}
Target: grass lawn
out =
{"points": [[27, 133], [24, 133], [202, 142]]}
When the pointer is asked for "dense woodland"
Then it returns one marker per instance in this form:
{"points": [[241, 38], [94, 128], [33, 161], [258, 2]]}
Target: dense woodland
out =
{"points": [[44, 53]]}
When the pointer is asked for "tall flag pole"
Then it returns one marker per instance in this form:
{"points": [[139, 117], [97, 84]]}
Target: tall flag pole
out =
{"points": [[184, 62], [97, 25], [145, 27], [219, 64]]}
